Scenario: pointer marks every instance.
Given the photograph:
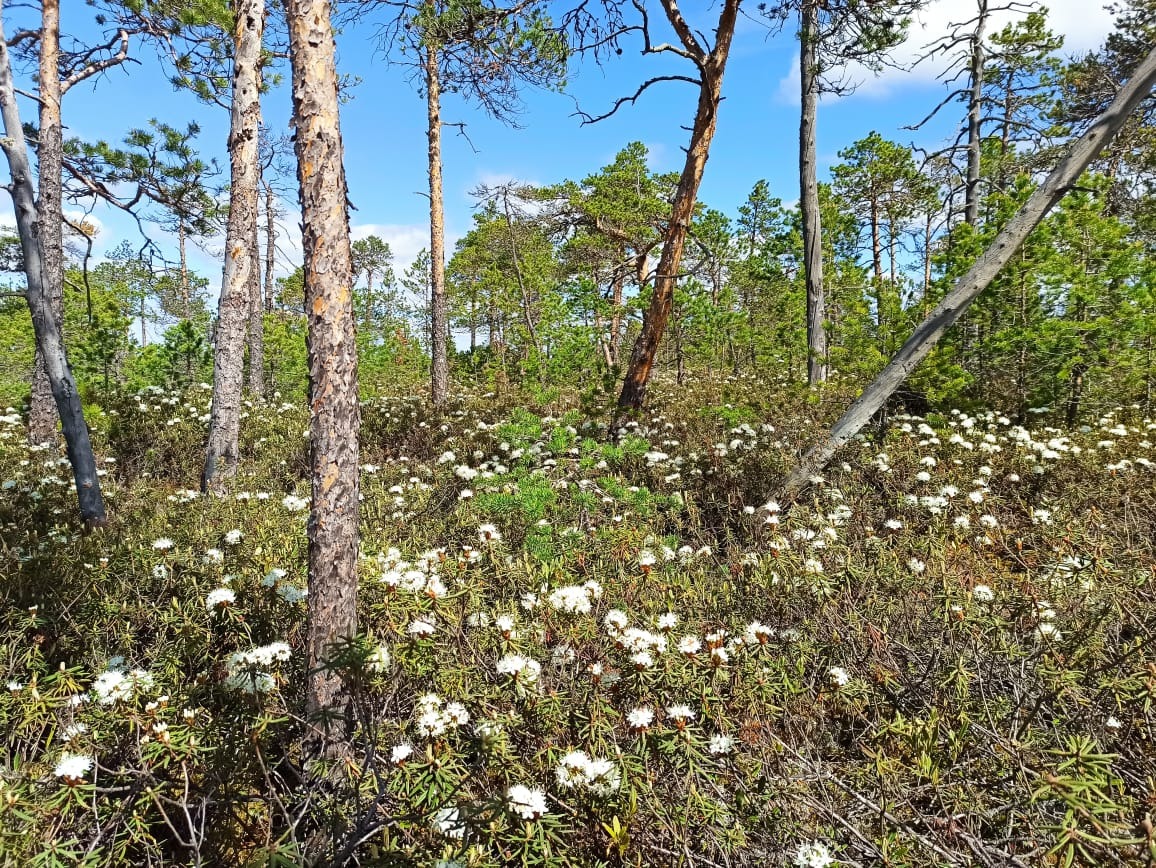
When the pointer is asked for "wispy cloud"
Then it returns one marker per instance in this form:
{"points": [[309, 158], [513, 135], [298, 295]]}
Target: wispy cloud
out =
{"points": [[1084, 24]]}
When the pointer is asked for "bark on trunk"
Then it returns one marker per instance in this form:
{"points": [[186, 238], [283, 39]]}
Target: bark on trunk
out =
{"points": [[42, 415], [974, 117], [270, 246], [809, 195], [256, 318], [335, 415], [1077, 158], [186, 305], [233, 309], [44, 321], [616, 313], [439, 351], [712, 66]]}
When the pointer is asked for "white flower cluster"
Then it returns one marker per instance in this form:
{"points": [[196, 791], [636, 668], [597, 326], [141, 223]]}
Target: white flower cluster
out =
{"points": [[813, 855], [575, 599], [523, 670], [246, 670], [599, 777], [527, 803], [287, 591], [420, 577], [116, 685], [73, 767], [433, 716]]}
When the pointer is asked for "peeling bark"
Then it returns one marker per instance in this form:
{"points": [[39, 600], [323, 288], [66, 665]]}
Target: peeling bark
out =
{"points": [[233, 309], [335, 415]]}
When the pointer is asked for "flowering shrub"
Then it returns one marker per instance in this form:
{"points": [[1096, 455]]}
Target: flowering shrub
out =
{"points": [[578, 653]]}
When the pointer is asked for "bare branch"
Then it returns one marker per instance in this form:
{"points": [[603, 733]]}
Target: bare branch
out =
{"points": [[621, 101], [98, 66]]}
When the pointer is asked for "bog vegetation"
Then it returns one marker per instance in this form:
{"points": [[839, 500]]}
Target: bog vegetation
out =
{"points": [[495, 561]]}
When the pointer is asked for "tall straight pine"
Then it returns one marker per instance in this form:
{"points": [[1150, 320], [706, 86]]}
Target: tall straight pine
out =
{"points": [[335, 416]]}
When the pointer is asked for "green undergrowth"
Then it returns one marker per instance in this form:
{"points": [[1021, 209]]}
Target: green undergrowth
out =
{"points": [[581, 652]]}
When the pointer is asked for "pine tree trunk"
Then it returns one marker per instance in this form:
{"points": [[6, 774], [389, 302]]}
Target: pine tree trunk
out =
{"points": [[974, 117], [186, 300], [809, 195], [270, 246], [335, 415], [233, 309], [42, 416], [1076, 159], [256, 318], [616, 287], [44, 319], [439, 349], [712, 66]]}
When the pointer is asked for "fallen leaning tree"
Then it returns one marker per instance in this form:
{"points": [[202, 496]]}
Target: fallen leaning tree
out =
{"points": [[968, 288]]}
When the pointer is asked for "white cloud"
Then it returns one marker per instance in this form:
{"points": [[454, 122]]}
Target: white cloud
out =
{"points": [[405, 240], [1084, 24]]}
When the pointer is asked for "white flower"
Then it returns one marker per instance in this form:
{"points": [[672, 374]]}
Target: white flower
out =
{"points": [[916, 565], [839, 676], [615, 621], [689, 645], [813, 855], [680, 714], [449, 822], [1048, 630], [233, 537], [219, 599], [522, 669], [570, 598], [212, 556], [529, 804], [1112, 723], [983, 593], [721, 744], [488, 533], [646, 558], [421, 627], [640, 718], [73, 767], [74, 731], [163, 544], [378, 659], [667, 621], [293, 503], [571, 771]]}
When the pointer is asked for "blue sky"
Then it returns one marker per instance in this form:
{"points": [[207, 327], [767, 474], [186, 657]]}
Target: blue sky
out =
{"points": [[384, 123]]}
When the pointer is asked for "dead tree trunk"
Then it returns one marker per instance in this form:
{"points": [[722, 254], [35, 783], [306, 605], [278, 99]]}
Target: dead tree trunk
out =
{"points": [[44, 320], [233, 308], [711, 66], [439, 350], [1079, 155], [975, 117], [335, 415], [270, 245], [256, 317], [42, 414], [809, 195]]}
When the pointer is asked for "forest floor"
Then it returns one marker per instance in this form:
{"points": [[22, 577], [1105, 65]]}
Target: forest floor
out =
{"points": [[577, 652]]}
